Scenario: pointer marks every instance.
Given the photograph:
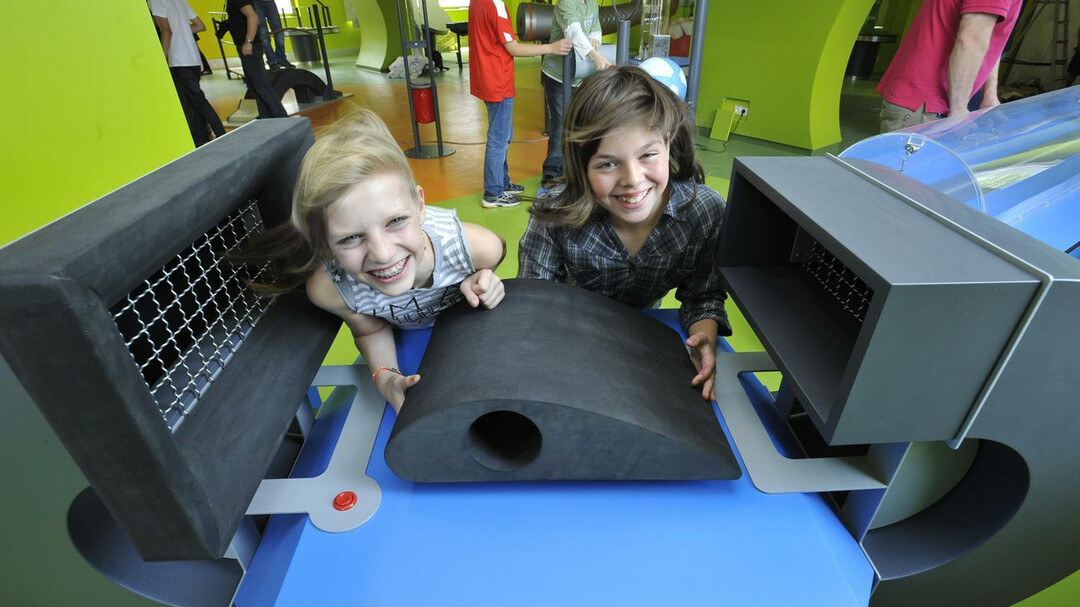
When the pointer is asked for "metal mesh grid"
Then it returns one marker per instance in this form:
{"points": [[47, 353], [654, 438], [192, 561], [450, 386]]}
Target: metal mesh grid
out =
{"points": [[184, 323], [839, 281]]}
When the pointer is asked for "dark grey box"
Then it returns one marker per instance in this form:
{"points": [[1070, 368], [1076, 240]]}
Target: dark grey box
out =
{"points": [[886, 320]]}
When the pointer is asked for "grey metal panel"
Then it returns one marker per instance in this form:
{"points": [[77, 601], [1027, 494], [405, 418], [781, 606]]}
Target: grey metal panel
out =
{"points": [[895, 242], [809, 338], [1033, 410], [926, 357], [857, 380], [347, 468], [982, 346], [770, 471]]}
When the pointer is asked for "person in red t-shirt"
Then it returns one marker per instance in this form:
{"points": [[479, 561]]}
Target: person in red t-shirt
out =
{"points": [[951, 50], [492, 48]]}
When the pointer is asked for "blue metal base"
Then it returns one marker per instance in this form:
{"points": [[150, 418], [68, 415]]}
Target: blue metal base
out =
{"points": [[543, 544]]}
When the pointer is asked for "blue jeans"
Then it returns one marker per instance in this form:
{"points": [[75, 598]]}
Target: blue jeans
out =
{"points": [[554, 105], [268, 14], [500, 132]]}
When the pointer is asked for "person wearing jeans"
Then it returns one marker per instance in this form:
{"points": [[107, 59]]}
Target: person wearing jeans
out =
{"points": [[270, 21], [177, 22], [493, 46], [500, 132], [579, 22], [243, 26]]}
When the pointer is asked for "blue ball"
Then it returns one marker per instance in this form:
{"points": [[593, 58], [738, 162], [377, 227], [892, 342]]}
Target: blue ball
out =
{"points": [[668, 73]]}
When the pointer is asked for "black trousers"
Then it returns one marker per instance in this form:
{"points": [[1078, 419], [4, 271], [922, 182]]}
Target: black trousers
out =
{"points": [[200, 115], [436, 56], [258, 83]]}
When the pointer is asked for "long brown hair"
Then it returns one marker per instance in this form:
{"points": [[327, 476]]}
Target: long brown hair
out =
{"points": [[354, 149], [605, 102]]}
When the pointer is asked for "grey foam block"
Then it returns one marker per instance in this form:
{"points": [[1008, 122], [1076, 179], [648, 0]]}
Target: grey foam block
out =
{"points": [[556, 383]]}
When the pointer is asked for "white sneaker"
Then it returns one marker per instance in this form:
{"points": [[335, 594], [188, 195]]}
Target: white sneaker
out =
{"points": [[502, 200]]}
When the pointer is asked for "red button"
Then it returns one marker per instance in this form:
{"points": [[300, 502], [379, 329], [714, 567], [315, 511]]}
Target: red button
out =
{"points": [[344, 500]]}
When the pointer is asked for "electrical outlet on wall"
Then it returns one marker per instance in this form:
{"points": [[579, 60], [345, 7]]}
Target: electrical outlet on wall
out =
{"points": [[732, 113]]}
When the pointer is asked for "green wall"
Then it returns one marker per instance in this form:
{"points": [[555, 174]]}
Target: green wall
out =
{"points": [[787, 59], [381, 33], [896, 17], [114, 116]]}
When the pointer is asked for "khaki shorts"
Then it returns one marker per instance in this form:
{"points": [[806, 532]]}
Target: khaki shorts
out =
{"points": [[894, 117]]}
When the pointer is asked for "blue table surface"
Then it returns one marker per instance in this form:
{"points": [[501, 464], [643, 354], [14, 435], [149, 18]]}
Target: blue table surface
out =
{"points": [[557, 543]]}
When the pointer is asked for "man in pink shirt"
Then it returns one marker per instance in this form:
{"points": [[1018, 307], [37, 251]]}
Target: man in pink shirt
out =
{"points": [[951, 50]]}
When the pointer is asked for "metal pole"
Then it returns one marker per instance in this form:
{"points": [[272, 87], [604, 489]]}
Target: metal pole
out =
{"points": [[408, 80], [569, 63], [329, 93], [622, 42], [431, 79], [697, 45]]}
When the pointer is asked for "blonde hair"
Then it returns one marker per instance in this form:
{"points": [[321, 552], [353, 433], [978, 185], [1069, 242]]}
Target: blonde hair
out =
{"points": [[352, 150], [605, 102]]}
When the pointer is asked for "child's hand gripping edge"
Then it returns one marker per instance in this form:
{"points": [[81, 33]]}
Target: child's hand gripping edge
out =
{"points": [[483, 287], [392, 385], [702, 346]]}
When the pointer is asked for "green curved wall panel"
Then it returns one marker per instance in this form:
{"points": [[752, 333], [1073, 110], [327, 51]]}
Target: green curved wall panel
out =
{"points": [[787, 59], [380, 35]]}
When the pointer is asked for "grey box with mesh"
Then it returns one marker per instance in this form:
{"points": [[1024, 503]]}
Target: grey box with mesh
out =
{"points": [[169, 383]]}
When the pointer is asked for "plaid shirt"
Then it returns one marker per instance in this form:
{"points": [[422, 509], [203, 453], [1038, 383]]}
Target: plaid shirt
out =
{"points": [[680, 253]]}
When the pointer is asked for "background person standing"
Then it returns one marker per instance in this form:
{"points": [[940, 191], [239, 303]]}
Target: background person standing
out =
{"points": [[952, 49], [492, 48], [579, 22], [244, 26], [270, 30], [178, 23]]}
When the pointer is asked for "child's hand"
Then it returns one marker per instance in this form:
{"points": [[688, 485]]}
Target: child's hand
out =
{"points": [[392, 387], [561, 47], [703, 355], [483, 287]]}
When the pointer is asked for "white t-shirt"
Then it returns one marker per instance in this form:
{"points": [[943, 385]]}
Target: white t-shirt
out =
{"points": [[183, 52]]}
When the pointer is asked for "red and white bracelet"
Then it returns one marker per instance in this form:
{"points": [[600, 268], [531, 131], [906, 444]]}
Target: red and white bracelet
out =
{"points": [[380, 370]]}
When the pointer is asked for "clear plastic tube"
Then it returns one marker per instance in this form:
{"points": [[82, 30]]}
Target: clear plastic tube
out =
{"points": [[653, 24], [1018, 162]]}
